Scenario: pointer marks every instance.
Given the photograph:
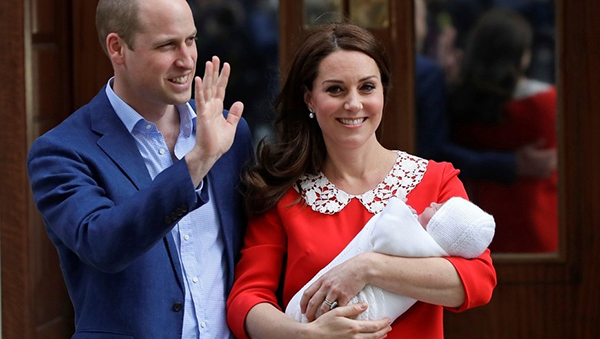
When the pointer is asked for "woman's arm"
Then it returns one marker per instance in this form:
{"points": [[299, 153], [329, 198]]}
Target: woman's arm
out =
{"points": [[431, 280], [264, 321]]}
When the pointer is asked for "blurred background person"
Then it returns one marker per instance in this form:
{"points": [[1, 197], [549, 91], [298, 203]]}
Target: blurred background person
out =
{"points": [[494, 106], [433, 130]]}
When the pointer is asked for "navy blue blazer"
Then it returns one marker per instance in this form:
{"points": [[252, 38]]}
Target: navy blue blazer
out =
{"points": [[111, 223]]}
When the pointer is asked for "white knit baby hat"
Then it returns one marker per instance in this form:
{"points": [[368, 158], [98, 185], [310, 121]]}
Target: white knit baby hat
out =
{"points": [[461, 228]]}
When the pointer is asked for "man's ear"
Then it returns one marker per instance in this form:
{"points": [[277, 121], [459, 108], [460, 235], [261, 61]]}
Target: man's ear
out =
{"points": [[115, 46]]}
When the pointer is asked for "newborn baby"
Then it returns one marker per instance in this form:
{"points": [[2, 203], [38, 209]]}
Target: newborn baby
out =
{"points": [[454, 228]]}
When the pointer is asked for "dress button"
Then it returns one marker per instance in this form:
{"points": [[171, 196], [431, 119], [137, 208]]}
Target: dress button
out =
{"points": [[177, 306]]}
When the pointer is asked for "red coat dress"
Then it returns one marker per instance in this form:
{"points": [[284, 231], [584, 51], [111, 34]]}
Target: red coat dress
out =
{"points": [[525, 210], [290, 243]]}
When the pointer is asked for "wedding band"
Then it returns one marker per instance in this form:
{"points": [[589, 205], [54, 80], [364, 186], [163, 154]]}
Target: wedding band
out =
{"points": [[331, 304]]}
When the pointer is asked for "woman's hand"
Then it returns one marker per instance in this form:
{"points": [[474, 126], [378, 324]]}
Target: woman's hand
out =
{"points": [[264, 321], [339, 324], [340, 285]]}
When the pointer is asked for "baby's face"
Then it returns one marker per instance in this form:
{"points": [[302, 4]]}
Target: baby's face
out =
{"points": [[429, 211]]}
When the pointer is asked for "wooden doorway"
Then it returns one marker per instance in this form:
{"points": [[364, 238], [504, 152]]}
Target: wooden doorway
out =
{"points": [[53, 64]]}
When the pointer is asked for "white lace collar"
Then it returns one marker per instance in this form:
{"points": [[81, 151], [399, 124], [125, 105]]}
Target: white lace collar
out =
{"points": [[323, 197]]}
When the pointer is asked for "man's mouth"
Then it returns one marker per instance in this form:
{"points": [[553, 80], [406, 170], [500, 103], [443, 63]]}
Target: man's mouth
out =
{"points": [[179, 80]]}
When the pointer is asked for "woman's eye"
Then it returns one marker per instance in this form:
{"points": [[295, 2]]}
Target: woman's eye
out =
{"points": [[368, 87], [334, 89]]}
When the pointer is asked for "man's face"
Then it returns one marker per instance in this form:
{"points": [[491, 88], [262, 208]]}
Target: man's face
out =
{"points": [[159, 70]]}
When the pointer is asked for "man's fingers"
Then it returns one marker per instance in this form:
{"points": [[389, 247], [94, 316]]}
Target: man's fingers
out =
{"points": [[208, 80], [235, 113], [199, 94], [223, 80], [216, 65]]}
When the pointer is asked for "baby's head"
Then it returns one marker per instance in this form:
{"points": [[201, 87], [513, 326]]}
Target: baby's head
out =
{"points": [[427, 213], [458, 226]]}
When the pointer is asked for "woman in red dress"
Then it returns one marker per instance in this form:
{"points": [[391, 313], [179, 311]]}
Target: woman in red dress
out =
{"points": [[318, 183], [495, 107]]}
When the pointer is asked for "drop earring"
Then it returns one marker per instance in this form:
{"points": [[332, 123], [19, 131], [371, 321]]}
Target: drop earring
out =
{"points": [[311, 115]]}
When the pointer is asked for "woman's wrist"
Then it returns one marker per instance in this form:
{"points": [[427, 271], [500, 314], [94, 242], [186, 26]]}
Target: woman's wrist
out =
{"points": [[369, 266]]}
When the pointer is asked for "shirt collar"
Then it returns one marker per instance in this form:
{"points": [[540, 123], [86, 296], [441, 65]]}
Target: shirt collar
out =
{"points": [[130, 117]]}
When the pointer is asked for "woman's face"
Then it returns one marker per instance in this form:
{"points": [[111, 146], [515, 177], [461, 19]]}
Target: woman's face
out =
{"points": [[347, 99]]}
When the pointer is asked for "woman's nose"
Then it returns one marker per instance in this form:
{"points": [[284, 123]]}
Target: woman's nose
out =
{"points": [[353, 103]]}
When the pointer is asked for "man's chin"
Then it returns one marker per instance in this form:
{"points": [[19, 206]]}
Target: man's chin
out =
{"points": [[182, 98]]}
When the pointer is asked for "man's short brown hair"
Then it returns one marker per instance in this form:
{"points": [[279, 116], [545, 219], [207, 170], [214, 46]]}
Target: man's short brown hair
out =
{"points": [[117, 16]]}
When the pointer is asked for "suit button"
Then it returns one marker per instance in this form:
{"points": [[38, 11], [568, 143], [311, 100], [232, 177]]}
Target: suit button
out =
{"points": [[168, 220], [177, 307], [184, 209], [174, 216]]}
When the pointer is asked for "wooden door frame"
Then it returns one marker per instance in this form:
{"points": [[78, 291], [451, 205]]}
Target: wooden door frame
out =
{"points": [[565, 287]]}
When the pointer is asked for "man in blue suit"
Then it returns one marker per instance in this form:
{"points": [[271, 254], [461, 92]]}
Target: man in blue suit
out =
{"points": [[139, 192]]}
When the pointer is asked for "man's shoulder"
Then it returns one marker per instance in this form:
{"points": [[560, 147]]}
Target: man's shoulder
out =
{"points": [[77, 125]]}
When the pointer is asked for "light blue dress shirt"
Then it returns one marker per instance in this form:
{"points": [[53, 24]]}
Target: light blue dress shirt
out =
{"points": [[198, 235]]}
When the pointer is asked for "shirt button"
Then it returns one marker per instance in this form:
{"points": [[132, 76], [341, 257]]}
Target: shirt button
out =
{"points": [[148, 126], [203, 324], [186, 237], [161, 151], [195, 280]]}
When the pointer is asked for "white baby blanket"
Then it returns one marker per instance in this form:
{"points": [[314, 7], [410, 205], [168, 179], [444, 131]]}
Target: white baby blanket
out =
{"points": [[395, 231]]}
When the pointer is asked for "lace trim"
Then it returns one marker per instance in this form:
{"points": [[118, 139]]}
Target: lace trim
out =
{"points": [[323, 197]]}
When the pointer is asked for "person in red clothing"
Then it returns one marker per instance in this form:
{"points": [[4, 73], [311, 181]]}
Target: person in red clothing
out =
{"points": [[495, 107], [314, 187]]}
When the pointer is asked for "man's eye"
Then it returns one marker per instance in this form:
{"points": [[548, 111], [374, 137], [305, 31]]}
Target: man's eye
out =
{"points": [[166, 46]]}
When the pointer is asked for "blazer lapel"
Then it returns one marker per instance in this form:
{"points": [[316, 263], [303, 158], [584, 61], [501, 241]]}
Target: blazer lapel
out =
{"points": [[116, 141]]}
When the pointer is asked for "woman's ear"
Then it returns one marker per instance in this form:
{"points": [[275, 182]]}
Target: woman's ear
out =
{"points": [[307, 98], [115, 46]]}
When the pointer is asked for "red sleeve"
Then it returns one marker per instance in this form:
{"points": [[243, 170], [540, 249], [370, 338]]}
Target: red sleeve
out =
{"points": [[478, 275], [258, 272]]}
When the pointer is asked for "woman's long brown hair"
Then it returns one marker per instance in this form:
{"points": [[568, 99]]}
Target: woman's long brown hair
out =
{"points": [[298, 147]]}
